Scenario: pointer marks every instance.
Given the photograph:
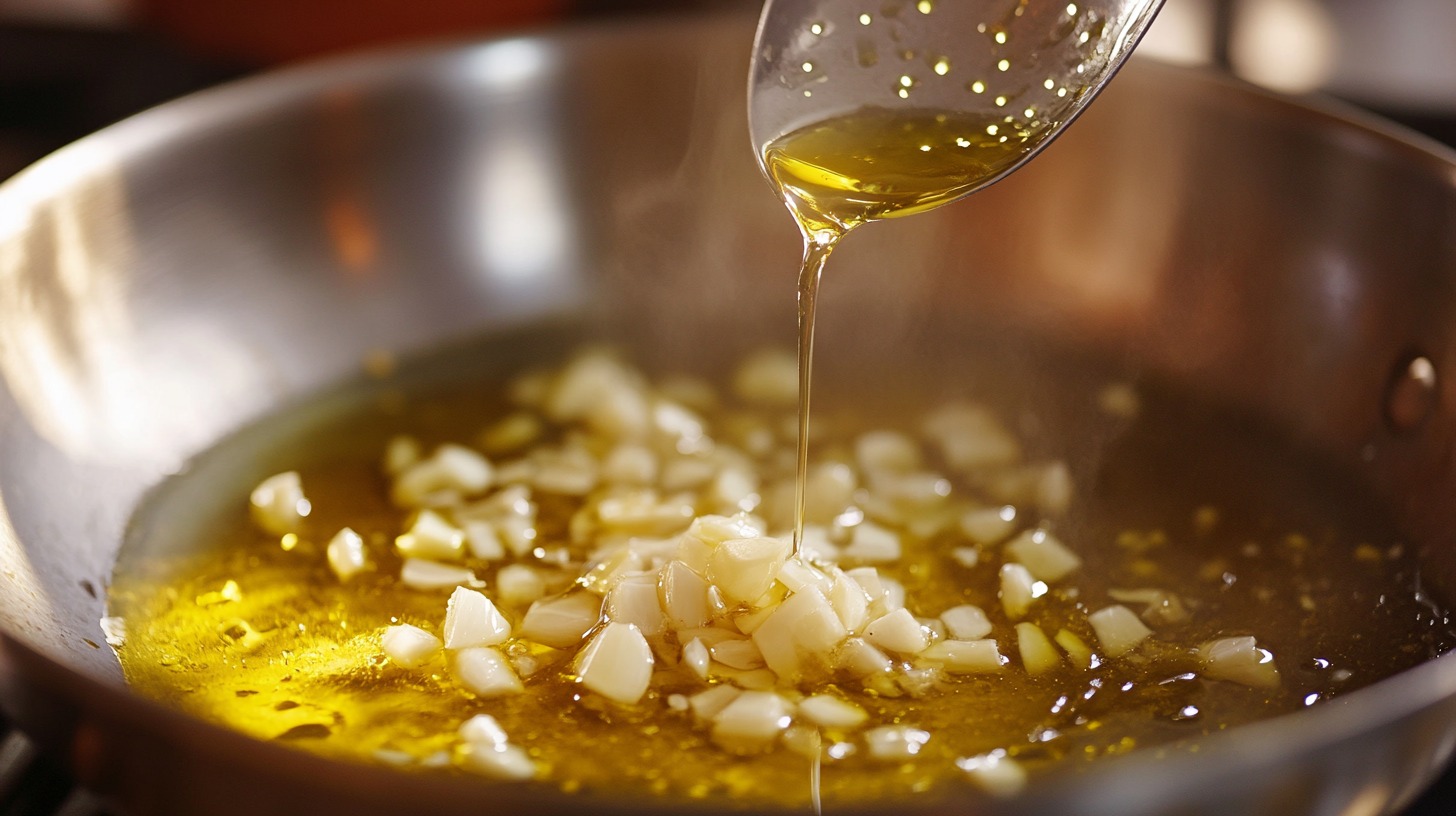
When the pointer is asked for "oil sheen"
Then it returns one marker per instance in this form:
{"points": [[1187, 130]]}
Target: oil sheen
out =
{"points": [[232, 625], [876, 163]]}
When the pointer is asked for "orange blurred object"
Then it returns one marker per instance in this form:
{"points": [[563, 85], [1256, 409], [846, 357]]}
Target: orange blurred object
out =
{"points": [[271, 31]]}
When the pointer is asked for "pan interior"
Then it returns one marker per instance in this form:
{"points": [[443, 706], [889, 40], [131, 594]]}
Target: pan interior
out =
{"points": [[1255, 534]]}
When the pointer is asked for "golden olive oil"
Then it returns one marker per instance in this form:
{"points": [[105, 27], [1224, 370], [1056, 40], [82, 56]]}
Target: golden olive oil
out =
{"points": [[878, 163], [238, 630]]}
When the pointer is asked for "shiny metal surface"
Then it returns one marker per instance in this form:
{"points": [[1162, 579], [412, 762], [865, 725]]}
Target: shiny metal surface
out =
{"points": [[188, 270]]}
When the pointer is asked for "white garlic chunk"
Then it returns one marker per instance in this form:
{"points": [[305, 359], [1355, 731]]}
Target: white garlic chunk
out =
{"points": [[616, 663], [408, 645], [471, 619]]}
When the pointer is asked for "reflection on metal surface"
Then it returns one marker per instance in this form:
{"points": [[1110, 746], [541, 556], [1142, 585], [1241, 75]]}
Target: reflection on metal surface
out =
{"points": [[24, 597], [523, 209], [524, 225], [1287, 45], [508, 64], [63, 281]]}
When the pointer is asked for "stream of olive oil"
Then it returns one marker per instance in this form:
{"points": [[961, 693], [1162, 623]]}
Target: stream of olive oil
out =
{"points": [[869, 165]]}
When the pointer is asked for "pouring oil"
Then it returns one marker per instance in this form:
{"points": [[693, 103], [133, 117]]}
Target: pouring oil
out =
{"points": [[869, 165]]}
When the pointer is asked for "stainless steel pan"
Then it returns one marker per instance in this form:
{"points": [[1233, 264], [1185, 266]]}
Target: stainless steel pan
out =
{"points": [[186, 271]]}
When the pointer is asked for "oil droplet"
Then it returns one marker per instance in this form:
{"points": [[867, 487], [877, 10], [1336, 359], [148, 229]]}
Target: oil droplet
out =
{"points": [[925, 6], [288, 542], [817, 29], [1061, 92], [865, 19], [1071, 9], [902, 93], [942, 66], [978, 87], [925, 148], [992, 130], [1030, 112], [907, 82], [1000, 101], [808, 67], [1005, 65], [1084, 37], [1000, 38], [962, 141], [808, 93], [1049, 84]]}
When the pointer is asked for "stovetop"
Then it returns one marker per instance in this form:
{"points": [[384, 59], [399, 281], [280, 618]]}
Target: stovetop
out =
{"points": [[58, 84]]}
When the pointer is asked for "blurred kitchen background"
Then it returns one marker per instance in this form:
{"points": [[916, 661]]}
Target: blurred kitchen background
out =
{"points": [[68, 67]]}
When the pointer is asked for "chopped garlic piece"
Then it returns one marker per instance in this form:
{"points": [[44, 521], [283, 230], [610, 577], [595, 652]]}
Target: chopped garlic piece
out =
{"points": [[751, 722], [832, 712], [634, 600], [512, 433], [409, 646], [707, 704], [1045, 557], [616, 663], [886, 451], [803, 626], [451, 468], [1118, 629], [471, 619], [965, 656], [114, 630], [418, 573], [860, 659], [1077, 649], [486, 672], [483, 730], [769, 377], [1018, 590], [828, 490], [895, 743], [1161, 607], [872, 544], [505, 762], [995, 773], [738, 654], [966, 622], [401, 453], [968, 557], [483, 540], [1239, 660], [898, 631], [850, 602], [796, 574], [562, 621], [696, 657], [988, 525], [631, 464], [971, 437], [1038, 655], [278, 504], [684, 596], [745, 568], [431, 537], [518, 585], [346, 554]]}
